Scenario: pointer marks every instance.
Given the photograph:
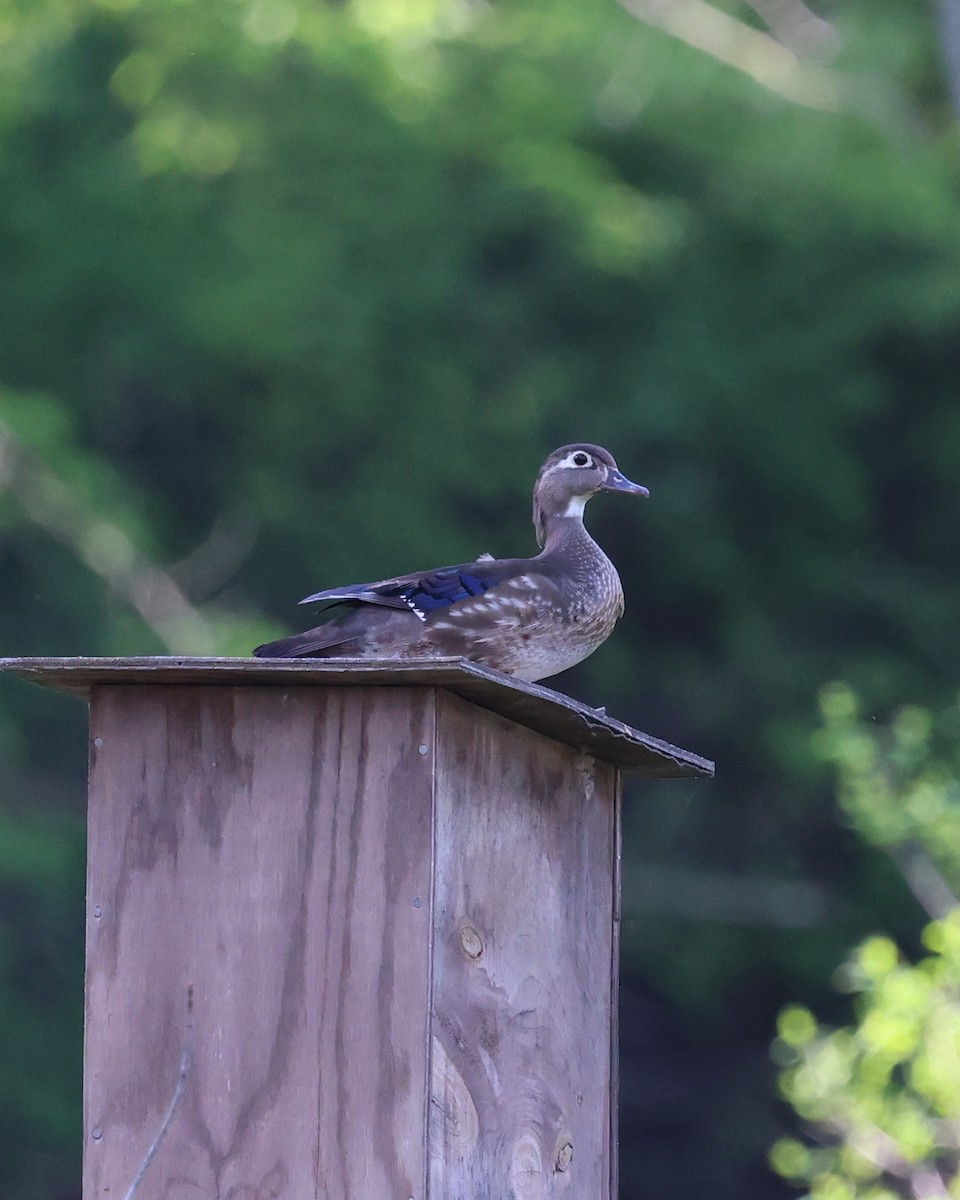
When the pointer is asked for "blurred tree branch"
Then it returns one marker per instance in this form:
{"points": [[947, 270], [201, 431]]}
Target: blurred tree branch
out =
{"points": [[900, 786], [219, 556], [949, 23], [923, 879], [750, 51], [103, 547], [797, 26]]}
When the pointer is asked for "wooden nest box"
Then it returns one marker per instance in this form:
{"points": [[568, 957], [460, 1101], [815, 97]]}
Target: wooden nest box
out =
{"points": [[365, 913]]}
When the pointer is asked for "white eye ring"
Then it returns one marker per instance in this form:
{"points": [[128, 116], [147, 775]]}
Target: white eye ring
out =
{"points": [[580, 459]]}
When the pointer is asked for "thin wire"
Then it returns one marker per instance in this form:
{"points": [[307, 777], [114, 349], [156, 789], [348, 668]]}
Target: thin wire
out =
{"points": [[186, 1061]]}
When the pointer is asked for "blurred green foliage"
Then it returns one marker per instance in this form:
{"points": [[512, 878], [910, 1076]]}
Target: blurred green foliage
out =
{"points": [[881, 1098], [899, 783], [301, 292]]}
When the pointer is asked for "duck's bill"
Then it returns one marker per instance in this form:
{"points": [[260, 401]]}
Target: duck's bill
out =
{"points": [[616, 482]]}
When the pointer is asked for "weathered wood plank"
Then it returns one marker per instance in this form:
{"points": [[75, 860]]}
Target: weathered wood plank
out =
{"points": [[270, 849], [616, 871], [530, 704], [523, 961]]}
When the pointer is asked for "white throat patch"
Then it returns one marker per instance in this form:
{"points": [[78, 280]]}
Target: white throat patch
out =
{"points": [[576, 506]]}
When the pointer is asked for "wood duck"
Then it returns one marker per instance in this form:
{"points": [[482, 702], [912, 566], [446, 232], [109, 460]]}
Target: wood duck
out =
{"points": [[528, 617]]}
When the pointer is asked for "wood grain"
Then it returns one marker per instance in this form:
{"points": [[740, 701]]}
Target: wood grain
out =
{"points": [[268, 849], [523, 964]]}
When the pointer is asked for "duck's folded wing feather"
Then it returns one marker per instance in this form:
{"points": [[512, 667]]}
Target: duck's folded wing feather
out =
{"points": [[424, 592], [303, 645], [361, 593]]}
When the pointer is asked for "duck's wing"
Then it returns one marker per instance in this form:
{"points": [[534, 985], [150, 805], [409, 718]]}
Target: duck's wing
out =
{"points": [[361, 613], [308, 644], [424, 592]]}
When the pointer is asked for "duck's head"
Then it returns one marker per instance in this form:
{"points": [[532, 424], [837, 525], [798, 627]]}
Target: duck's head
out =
{"points": [[569, 477]]}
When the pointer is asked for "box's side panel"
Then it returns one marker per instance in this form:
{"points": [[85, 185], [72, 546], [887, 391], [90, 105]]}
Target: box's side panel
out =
{"points": [[616, 784], [523, 919], [258, 884]]}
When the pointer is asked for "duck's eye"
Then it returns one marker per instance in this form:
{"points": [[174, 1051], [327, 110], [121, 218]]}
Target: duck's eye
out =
{"points": [[581, 459]]}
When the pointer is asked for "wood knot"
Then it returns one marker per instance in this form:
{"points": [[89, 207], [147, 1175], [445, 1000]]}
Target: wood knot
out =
{"points": [[526, 1169], [471, 941], [451, 1105], [564, 1155]]}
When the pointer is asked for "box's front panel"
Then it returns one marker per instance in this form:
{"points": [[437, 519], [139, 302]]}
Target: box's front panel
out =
{"points": [[521, 1081], [257, 945]]}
